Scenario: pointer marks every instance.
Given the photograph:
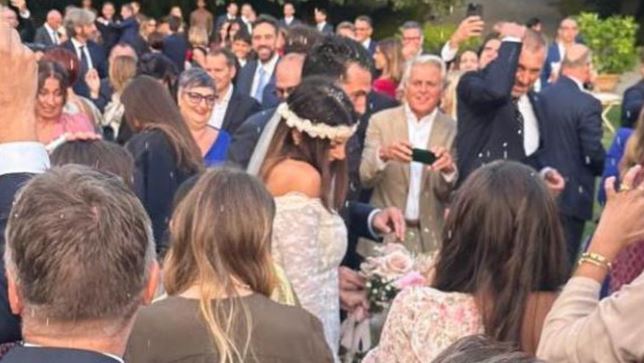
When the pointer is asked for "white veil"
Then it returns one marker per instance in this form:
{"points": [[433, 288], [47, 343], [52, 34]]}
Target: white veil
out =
{"points": [[264, 142]]}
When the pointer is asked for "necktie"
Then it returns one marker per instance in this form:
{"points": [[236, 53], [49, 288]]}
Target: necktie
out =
{"points": [[261, 84], [518, 116], [54, 37], [84, 62]]}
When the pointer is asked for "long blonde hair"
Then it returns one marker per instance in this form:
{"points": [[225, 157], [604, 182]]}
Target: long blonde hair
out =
{"points": [[634, 151], [122, 70], [221, 238]]}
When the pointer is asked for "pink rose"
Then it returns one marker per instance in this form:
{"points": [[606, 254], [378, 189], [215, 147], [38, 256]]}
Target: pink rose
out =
{"points": [[413, 278], [397, 264]]}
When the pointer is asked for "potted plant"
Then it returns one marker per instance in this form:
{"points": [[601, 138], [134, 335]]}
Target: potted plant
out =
{"points": [[612, 43]]}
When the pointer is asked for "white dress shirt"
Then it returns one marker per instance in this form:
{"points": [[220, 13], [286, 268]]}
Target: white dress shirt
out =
{"points": [[366, 43], [77, 47], [219, 111], [269, 68], [530, 126], [321, 26], [23, 157], [288, 20], [418, 132]]}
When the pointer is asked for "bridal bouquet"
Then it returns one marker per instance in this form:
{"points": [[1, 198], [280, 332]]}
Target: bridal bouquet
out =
{"points": [[391, 270]]}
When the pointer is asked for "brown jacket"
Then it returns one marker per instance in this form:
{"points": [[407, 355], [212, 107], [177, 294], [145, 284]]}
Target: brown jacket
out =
{"points": [[391, 184]]}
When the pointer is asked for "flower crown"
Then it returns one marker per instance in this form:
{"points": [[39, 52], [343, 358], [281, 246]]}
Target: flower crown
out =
{"points": [[319, 131]]}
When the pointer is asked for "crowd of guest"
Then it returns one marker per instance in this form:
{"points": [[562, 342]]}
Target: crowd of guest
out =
{"points": [[205, 188]]}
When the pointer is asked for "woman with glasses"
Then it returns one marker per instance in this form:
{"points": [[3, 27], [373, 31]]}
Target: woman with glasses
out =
{"points": [[165, 154], [196, 98]]}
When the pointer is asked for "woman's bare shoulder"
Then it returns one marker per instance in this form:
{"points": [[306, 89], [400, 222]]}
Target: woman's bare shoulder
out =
{"points": [[290, 176]]}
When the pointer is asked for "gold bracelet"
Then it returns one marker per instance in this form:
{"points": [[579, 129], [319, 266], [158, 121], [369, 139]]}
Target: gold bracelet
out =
{"points": [[595, 259]]}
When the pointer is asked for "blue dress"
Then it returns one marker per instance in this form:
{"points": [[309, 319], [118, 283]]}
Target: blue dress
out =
{"points": [[613, 157], [218, 151]]}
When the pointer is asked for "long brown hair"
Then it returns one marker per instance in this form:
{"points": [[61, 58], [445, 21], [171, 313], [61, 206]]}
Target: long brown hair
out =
{"points": [[220, 237], [149, 106], [634, 152], [122, 70], [391, 48], [502, 241], [322, 102]]}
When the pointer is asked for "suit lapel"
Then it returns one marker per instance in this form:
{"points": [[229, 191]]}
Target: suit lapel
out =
{"points": [[436, 136], [402, 133], [229, 110]]}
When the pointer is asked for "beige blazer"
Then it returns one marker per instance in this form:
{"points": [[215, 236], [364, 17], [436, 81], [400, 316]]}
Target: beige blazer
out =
{"points": [[391, 184]]}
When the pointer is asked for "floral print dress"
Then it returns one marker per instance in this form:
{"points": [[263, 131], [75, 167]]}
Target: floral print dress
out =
{"points": [[423, 322]]}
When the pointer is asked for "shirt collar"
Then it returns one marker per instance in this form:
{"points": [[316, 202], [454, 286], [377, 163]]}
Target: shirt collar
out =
{"points": [[115, 357], [425, 119], [577, 82], [77, 44], [50, 29], [289, 18], [366, 43], [227, 96], [270, 65]]}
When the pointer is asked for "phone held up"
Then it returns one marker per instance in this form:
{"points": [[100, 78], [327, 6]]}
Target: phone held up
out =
{"points": [[423, 156], [474, 9]]}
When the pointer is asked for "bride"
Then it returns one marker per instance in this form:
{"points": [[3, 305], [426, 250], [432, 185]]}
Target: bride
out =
{"points": [[305, 169]]}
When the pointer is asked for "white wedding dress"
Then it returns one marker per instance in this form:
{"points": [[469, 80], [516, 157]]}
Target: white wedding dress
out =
{"points": [[309, 243]]}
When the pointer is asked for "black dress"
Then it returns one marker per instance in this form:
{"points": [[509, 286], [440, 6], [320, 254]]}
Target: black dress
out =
{"points": [[157, 177]]}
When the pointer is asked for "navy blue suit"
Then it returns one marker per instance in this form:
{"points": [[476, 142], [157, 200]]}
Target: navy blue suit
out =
{"points": [[294, 22], [553, 57], [574, 138], [54, 355], [9, 323], [488, 129], [175, 47], [246, 76], [240, 108], [372, 47], [99, 61], [327, 29], [632, 104]]}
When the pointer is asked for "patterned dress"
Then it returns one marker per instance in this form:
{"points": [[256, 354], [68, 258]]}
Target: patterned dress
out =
{"points": [[627, 266], [309, 243], [423, 322]]}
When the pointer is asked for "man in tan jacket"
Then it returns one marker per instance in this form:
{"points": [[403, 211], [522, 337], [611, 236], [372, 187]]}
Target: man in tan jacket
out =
{"points": [[420, 190]]}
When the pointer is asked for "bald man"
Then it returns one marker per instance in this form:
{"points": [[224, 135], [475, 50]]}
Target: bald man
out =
{"points": [[48, 33], [288, 74], [566, 37], [573, 128]]}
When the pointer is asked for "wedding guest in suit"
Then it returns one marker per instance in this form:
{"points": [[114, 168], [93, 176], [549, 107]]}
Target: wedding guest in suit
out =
{"points": [[289, 18], [196, 98], [305, 170], [499, 116], [388, 59], [321, 15], [18, 16], [231, 107], [412, 39], [48, 33], [574, 126], [248, 17], [242, 48], [165, 154], [231, 15], [498, 270], [175, 45], [51, 121], [470, 27], [101, 92], [288, 74], [201, 17], [80, 27], [256, 74], [363, 32], [422, 191], [129, 30], [580, 327], [105, 25], [566, 37], [66, 304], [219, 278]]}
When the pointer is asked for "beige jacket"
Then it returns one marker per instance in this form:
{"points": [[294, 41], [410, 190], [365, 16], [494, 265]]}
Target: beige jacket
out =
{"points": [[391, 184]]}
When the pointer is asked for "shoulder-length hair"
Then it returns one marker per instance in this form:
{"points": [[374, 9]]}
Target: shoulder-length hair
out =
{"points": [[391, 48], [319, 100], [220, 239], [502, 241], [149, 106]]}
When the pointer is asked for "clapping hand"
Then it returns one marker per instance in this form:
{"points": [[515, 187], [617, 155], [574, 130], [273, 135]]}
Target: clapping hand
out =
{"points": [[18, 71], [93, 82]]}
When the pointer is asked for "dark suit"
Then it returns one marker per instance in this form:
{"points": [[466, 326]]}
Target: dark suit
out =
{"points": [[104, 95], [26, 29], [246, 77], [109, 34], [632, 104], [553, 57], [99, 62], [43, 36], [240, 108], [221, 19], [269, 96], [54, 355], [175, 47], [294, 22], [326, 29], [574, 137], [372, 47], [488, 129], [9, 323]]}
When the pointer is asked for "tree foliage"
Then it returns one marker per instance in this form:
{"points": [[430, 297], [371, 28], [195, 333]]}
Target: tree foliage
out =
{"points": [[611, 40]]}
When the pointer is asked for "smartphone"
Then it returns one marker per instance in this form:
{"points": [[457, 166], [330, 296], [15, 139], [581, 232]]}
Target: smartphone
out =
{"points": [[474, 9], [423, 156]]}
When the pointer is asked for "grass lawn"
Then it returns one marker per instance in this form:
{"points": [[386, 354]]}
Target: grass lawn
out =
{"points": [[614, 117]]}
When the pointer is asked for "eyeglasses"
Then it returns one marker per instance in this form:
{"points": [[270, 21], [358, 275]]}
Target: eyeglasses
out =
{"points": [[196, 98], [409, 39]]}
